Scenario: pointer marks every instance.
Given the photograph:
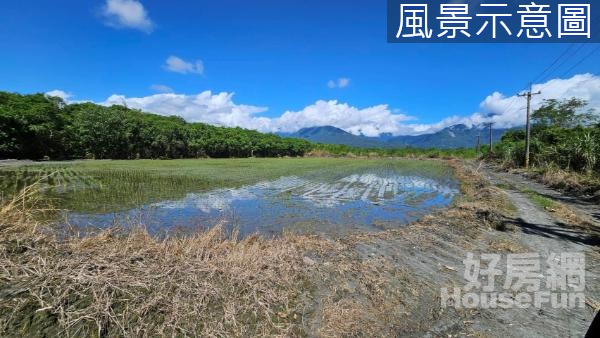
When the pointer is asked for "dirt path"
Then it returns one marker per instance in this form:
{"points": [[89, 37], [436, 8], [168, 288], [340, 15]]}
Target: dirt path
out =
{"points": [[542, 232], [583, 205], [533, 219]]}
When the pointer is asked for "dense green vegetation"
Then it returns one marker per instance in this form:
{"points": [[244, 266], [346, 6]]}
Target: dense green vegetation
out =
{"points": [[344, 150], [565, 134], [38, 127]]}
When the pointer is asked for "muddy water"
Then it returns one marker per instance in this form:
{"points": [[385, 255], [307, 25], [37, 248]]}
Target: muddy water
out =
{"points": [[368, 200]]}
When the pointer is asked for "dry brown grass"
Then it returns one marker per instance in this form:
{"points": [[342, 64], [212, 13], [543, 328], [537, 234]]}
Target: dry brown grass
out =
{"points": [[359, 296], [121, 283], [568, 181], [506, 245]]}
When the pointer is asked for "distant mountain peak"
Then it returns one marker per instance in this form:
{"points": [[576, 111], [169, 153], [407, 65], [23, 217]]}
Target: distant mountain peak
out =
{"points": [[458, 127], [455, 136], [320, 130]]}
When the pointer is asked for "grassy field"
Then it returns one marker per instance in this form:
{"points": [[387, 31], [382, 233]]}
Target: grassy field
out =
{"points": [[105, 186]]}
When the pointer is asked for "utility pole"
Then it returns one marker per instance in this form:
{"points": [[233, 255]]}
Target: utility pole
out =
{"points": [[491, 143], [478, 142], [529, 95]]}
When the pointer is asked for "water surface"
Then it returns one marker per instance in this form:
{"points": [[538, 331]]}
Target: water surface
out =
{"points": [[268, 196], [369, 200]]}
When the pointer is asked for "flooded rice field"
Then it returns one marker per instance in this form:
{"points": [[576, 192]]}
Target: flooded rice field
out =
{"points": [[330, 199]]}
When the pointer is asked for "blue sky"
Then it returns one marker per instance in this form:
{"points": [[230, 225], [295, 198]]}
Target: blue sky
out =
{"points": [[319, 61]]}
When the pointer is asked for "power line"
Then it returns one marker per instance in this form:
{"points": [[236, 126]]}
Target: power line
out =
{"points": [[563, 58], [581, 61], [491, 141], [554, 62], [575, 65], [562, 63], [512, 103]]}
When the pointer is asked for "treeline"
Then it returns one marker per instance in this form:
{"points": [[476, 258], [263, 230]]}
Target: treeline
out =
{"points": [[344, 150], [565, 134], [40, 127]]}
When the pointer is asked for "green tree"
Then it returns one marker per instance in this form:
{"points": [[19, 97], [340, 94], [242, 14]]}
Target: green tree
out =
{"points": [[36, 126], [564, 113]]}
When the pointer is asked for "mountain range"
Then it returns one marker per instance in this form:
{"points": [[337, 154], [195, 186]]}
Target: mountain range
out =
{"points": [[456, 136]]}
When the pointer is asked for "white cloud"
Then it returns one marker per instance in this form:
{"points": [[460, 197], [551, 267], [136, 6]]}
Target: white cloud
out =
{"points": [[127, 14], [59, 93], [342, 82], [161, 88], [370, 121], [218, 109], [510, 111], [178, 65]]}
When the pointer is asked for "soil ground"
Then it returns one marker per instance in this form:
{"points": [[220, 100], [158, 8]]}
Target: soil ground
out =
{"points": [[419, 260], [582, 204], [543, 232]]}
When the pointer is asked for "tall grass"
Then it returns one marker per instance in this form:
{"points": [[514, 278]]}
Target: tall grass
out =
{"points": [[587, 150], [575, 149], [565, 158]]}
